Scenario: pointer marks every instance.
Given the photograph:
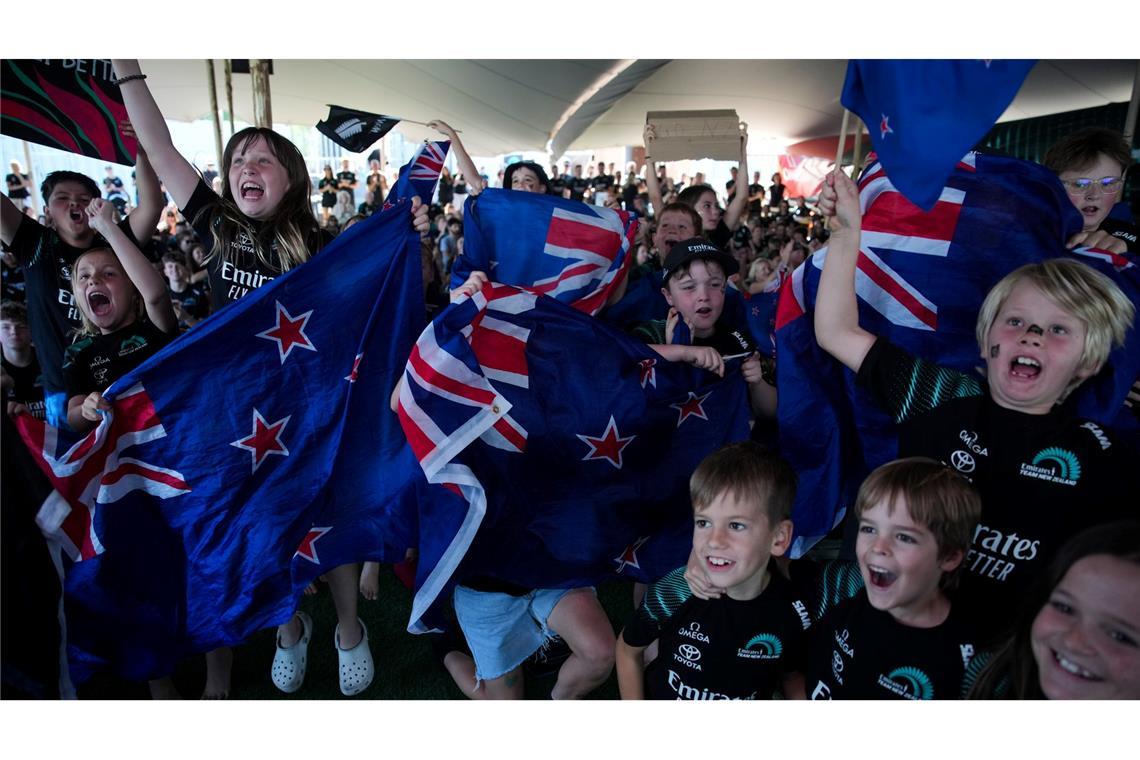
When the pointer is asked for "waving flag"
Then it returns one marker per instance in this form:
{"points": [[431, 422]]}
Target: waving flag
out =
{"points": [[420, 175], [921, 278], [222, 481], [355, 130], [575, 253], [558, 448], [924, 115]]}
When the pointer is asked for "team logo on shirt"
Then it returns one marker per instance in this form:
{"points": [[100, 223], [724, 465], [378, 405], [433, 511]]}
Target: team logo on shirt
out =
{"points": [[764, 646], [962, 461], [1101, 438], [132, 344], [970, 438], [908, 682], [1055, 465], [687, 655]]}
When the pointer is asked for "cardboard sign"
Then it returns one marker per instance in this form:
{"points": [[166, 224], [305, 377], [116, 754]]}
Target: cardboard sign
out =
{"points": [[695, 134]]}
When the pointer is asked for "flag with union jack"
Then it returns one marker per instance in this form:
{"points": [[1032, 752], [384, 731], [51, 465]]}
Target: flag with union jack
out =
{"points": [[924, 115], [248, 456], [575, 253], [559, 449], [921, 278], [420, 175]]}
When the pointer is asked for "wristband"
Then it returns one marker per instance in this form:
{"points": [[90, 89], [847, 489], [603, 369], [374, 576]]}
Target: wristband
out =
{"points": [[128, 78]]}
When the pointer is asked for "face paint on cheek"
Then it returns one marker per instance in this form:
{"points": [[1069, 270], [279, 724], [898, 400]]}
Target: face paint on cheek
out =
{"points": [[993, 352]]}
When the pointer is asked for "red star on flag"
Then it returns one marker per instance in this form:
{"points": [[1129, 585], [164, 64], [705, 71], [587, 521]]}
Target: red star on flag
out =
{"points": [[351, 376], [264, 440], [691, 407], [629, 556], [289, 332], [647, 373], [884, 127], [608, 447], [308, 548]]}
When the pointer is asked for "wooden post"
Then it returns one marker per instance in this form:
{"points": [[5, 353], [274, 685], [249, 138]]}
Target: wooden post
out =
{"points": [[214, 111], [229, 72], [259, 77], [857, 150]]}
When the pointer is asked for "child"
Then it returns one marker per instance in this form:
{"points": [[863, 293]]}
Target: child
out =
{"points": [[47, 253], [22, 381], [191, 304], [127, 318], [746, 644], [898, 636], [261, 226], [1078, 636], [1090, 164], [1042, 330], [695, 275]]}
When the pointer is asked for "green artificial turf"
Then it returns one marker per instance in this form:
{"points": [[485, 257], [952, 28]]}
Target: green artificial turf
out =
{"points": [[405, 665]]}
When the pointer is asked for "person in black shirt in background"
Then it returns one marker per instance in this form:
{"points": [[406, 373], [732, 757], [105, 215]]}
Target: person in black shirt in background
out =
{"points": [[776, 191], [346, 180], [191, 302], [19, 186], [1043, 475], [19, 371], [327, 186]]}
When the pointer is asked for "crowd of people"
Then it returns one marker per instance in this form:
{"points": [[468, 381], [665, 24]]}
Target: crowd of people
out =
{"points": [[910, 611]]}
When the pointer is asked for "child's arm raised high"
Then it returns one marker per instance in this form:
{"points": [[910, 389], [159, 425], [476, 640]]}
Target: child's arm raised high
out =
{"points": [[149, 282], [466, 165], [176, 172], [836, 309]]}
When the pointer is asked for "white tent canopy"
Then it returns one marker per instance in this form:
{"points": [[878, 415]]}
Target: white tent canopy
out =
{"points": [[516, 105]]}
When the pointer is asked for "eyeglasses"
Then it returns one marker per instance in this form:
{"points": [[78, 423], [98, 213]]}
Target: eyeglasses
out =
{"points": [[1107, 185]]}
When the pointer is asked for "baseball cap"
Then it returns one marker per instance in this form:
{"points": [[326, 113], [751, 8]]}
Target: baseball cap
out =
{"points": [[694, 249]]}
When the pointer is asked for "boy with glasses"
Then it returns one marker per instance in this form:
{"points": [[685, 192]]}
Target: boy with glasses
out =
{"points": [[1090, 164]]}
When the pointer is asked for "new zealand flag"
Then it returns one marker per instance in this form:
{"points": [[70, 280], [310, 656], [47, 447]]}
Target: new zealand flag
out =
{"points": [[559, 449], [921, 278], [253, 453]]}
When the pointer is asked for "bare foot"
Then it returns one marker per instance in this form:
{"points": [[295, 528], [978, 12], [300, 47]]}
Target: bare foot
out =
{"points": [[163, 688], [370, 580], [219, 664]]}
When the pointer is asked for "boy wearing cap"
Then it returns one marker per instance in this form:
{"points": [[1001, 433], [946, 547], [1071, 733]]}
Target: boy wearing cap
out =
{"points": [[695, 275]]}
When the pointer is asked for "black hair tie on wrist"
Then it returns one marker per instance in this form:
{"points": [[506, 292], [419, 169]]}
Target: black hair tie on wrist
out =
{"points": [[128, 78]]}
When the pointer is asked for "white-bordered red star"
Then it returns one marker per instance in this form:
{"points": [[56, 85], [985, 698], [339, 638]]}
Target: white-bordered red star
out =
{"points": [[629, 556], [352, 376], [308, 548], [647, 373], [885, 127], [289, 332], [264, 440], [608, 447], [691, 407]]}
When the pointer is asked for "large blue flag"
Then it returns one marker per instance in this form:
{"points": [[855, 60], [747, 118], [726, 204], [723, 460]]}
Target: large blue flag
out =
{"points": [[575, 253], [246, 457], [921, 278], [924, 115], [559, 449]]}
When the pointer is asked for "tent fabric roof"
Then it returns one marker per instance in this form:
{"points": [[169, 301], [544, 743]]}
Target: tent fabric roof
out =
{"points": [[502, 106]]}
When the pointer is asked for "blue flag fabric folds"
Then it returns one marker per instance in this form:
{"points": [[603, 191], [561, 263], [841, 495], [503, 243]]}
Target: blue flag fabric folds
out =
{"points": [[575, 253], [419, 176], [245, 458], [558, 449], [925, 115], [921, 278]]}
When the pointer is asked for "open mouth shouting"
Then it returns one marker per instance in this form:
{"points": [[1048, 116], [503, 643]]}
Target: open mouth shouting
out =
{"points": [[880, 577], [251, 191], [99, 303], [1025, 367]]}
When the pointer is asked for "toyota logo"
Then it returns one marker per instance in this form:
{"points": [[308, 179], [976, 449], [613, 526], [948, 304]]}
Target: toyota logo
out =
{"points": [[962, 461], [689, 652]]}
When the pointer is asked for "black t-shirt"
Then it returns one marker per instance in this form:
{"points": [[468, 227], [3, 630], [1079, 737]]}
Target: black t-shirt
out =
{"points": [[52, 313], [718, 648], [628, 194], [233, 276], [95, 361], [727, 341], [194, 301], [755, 206], [556, 185], [377, 190], [29, 386], [1042, 478], [446, 193], [1123, 230], [19, 192], [348, 177], [578, 186], [602, 183], [328, 190], [775, 195], [721, 236], [855, 651]]}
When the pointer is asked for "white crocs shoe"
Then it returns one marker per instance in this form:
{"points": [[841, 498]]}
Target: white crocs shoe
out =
{"points": [[356, 669], [289, 663]]}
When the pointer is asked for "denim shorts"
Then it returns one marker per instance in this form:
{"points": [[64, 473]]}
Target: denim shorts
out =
{"points": [[503, 630]]}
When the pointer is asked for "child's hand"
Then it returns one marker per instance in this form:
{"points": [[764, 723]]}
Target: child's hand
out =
{"points": [[472, 286], [705, 357], [671, 321], [752, 370], [698, 579], [420, 215], [839, 202], [443, 127], [1101, 239], [99, 214], [93, 405]]}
